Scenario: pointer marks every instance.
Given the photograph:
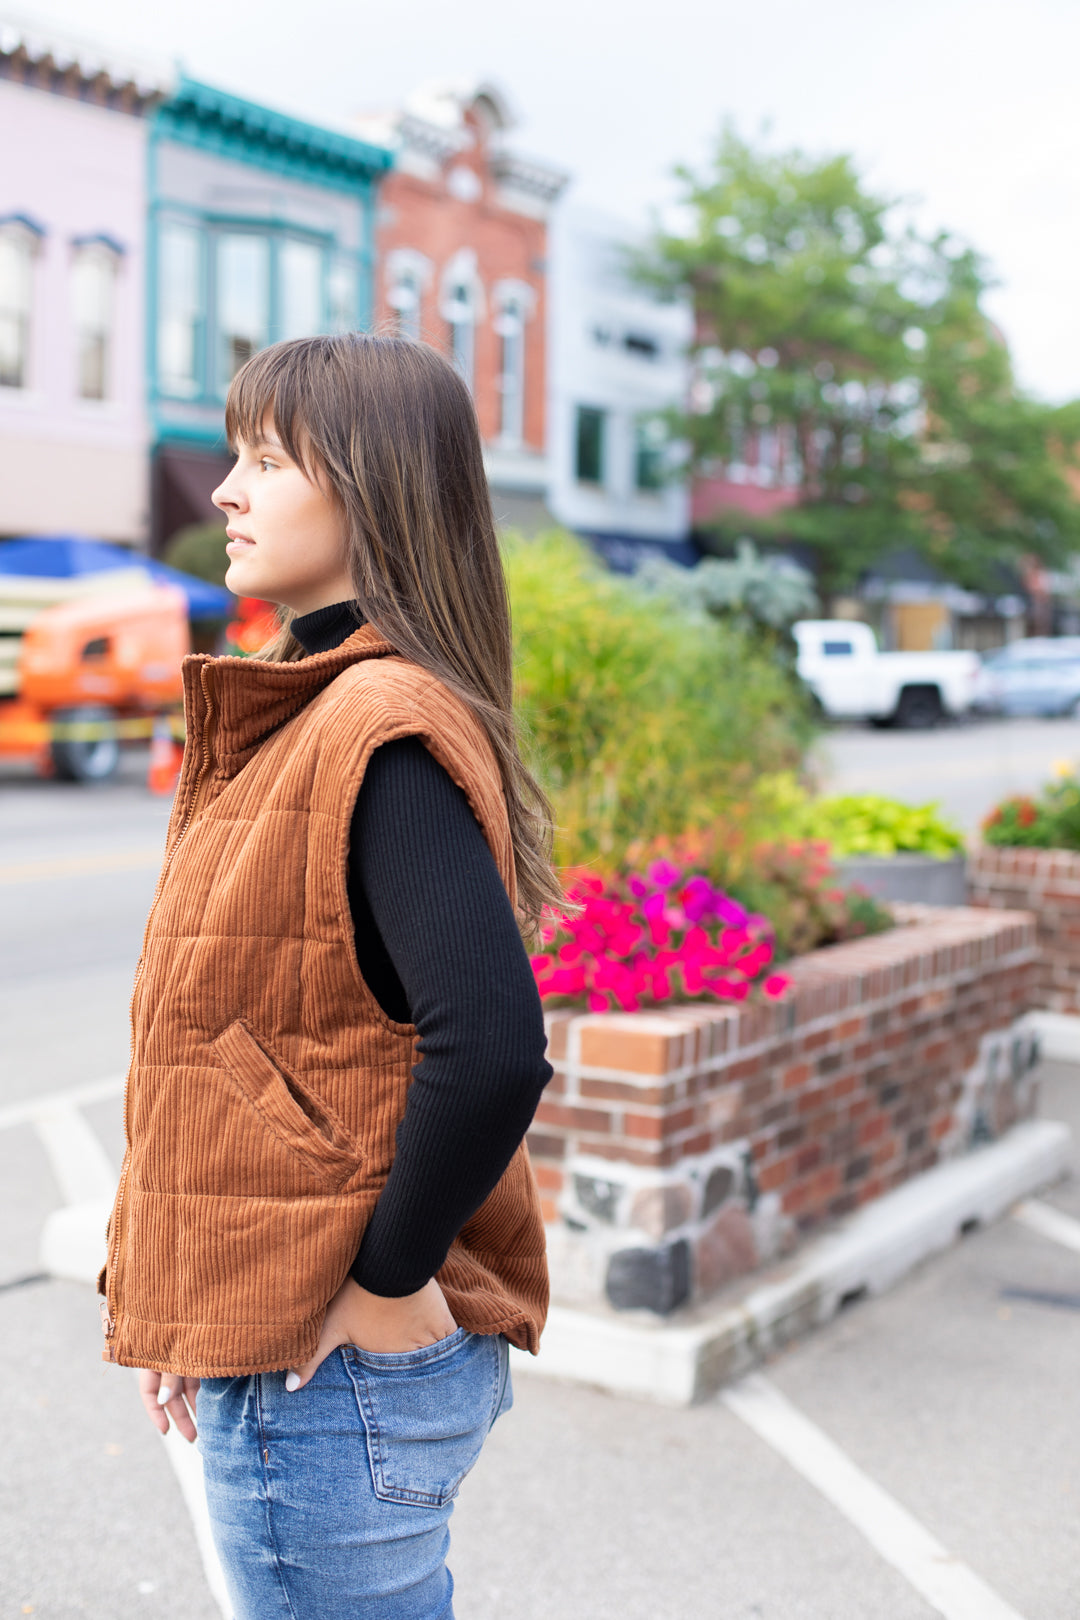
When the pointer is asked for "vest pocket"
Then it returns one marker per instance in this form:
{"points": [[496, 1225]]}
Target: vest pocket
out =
{"points": [[299, 1119]]}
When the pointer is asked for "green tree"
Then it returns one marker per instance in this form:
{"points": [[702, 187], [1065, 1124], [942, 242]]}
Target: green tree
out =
{"points": [[868, 351]]}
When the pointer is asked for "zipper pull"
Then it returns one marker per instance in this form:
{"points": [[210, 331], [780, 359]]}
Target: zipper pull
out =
{"points": [[106, 1319]]}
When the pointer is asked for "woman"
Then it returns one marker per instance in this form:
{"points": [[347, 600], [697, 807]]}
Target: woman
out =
{"points": [[327, 1227]]}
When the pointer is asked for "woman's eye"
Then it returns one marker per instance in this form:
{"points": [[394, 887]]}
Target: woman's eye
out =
{"points": [[264, 463]]}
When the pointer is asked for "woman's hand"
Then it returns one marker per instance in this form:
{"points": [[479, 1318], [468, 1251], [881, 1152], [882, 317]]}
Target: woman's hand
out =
{"points": [[384, 1326], [167, 1394]]}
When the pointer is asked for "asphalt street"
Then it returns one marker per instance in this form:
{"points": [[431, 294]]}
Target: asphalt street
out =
{"points": [[967, 765], [943, 1417]]}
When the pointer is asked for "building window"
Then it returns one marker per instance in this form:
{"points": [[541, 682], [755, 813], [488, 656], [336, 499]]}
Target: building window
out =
{"points": [[642, 345], [93, 278], [405, 302], [460, 308], [590, 433], [650, 442], [243, 300], [300, 272], [18, 250], [514, 304], [341, 295], [462, 330], [181, 293]]}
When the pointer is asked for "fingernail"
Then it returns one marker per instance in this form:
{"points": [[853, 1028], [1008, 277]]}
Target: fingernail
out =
{"points": [[164, 1394], [292, 1381]]}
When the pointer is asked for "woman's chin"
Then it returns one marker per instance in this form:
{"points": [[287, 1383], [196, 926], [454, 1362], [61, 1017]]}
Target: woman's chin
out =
{"points": [[241, 579]]}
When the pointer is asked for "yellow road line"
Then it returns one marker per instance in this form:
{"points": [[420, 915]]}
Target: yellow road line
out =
{"points": [[77, 865]]}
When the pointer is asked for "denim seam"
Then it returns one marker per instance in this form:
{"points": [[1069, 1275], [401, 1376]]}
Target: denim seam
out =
{"points": [[502, 1363], [264, 1450]]}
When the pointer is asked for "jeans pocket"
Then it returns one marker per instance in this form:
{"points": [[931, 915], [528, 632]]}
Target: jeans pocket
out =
{"points": [[427, 1413]]}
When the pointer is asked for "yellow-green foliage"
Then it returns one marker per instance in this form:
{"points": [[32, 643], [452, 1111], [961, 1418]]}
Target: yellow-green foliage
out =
{"points": [[641, 718], [867, 824]]}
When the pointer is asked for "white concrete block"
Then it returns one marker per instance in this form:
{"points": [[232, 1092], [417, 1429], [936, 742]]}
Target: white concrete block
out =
{"points": [[73, 1240]]}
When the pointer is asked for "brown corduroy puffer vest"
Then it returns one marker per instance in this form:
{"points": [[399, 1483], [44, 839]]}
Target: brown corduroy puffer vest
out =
{"points": [[266, 1083]]}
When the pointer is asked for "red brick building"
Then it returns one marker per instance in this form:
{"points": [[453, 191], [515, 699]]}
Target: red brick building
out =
{"points": [[461, 262]]}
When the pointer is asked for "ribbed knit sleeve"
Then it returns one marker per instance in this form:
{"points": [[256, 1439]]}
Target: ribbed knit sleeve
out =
{"points": [[422, 881]]}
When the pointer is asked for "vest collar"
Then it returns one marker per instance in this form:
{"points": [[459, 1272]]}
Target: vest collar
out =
{"points": [[232, 705]]}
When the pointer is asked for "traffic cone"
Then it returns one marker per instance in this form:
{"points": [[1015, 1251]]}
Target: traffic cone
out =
{"points": [[165, 758]]}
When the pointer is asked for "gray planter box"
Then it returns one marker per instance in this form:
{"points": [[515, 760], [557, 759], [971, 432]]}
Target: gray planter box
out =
{"points": [[923, 878]]}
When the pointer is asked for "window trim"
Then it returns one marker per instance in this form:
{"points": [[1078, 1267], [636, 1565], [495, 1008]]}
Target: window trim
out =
{"points": [[603, 416], [210, 227], [30, 235]]}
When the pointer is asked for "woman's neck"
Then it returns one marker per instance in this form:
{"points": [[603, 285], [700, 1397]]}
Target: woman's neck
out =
{"points": [[327, 627]]}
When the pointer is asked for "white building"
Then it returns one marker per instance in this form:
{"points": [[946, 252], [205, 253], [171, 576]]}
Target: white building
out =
{"points": [[617, 362]]}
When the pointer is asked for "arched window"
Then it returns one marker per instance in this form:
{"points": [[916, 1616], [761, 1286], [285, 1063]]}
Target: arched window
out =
{"points": [[514, 303], [93, 288], [461, 308], [19, 243], [408, 277]]}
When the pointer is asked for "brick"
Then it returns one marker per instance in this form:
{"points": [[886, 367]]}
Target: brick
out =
{"points": [[635, 1051], [797, 1075], [543, 1145], [548, 1178], [625, 1091], [574, 1119]]}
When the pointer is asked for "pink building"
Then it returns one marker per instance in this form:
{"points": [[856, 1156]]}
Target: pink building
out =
{"points": [[73, 208]]}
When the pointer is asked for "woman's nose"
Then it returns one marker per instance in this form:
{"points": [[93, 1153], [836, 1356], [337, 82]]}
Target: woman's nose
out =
{"points": [[228, 497]]}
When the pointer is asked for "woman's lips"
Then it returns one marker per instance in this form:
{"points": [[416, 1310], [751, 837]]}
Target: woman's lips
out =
{"points": [[239, 542]]}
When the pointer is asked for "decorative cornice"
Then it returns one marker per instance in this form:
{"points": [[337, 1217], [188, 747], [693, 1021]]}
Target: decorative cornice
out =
{"points": [[79, 69], [199, 115], [531, 175]]}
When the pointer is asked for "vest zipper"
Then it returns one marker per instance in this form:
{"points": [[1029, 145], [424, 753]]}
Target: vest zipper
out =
{"points": [[108, 1304]]}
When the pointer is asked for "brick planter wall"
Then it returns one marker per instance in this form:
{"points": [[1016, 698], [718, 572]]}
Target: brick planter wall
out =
{"points": [[1046, 882], [677, 1150]]}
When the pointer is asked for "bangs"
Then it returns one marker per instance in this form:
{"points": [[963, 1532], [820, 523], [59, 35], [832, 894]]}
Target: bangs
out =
{"points": [[273, 384]]}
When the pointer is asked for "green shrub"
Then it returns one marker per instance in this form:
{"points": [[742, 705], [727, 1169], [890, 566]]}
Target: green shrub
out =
{"points": [[642, 718], [200, 550], [868, 824], [1050, 821]]}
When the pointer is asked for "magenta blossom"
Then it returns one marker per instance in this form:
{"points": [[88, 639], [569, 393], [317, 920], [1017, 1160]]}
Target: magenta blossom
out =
{"points": [[636, 943]]}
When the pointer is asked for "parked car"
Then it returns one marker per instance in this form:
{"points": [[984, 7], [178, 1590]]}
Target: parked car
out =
{"points": [[851, 678], [1037, 675]]}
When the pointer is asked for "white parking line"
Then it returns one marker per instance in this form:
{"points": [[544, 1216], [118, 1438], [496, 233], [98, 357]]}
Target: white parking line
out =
{"points": [[84, 1174], [1049, 1222], [82, 1168], [949, 1586], [23, 1113], [187, 1466]]}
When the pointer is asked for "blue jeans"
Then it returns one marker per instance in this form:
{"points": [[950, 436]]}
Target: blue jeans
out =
{"points": [[335, 1501]]}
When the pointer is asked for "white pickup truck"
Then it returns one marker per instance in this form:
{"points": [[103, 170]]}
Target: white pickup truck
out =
{"points": [[852, 679]]}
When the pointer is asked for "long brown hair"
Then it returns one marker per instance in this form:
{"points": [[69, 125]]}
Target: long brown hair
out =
{"points": [[388, 427]]}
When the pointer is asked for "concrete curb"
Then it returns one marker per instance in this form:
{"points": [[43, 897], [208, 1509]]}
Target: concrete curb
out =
{"points": [[681, 1362], [1058, 1034]]}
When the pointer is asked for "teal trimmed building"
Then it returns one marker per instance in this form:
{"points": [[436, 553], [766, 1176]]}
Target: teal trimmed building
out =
{"points": [[261, 226]]}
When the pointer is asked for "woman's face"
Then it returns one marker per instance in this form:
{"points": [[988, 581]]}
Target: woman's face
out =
{"points": [[286, 538]]}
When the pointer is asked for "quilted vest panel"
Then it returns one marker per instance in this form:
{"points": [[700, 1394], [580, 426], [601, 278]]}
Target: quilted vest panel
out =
{"points": [[266, 1083]]}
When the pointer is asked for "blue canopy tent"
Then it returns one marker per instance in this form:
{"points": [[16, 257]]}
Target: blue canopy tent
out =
{"points": [[68, 556]]}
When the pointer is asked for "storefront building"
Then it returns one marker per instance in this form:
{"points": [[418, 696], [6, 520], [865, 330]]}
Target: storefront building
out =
{"points": [[462, 252], [261, 227], [73, 425]]}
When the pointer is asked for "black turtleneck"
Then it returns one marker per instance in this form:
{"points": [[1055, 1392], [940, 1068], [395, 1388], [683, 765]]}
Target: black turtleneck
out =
{"points": [[438, 947]]}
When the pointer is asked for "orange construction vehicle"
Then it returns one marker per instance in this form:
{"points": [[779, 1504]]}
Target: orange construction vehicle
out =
{"points": [[80, 677]]}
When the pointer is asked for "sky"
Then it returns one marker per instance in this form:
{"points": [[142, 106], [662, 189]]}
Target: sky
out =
{"points": [[968, 109]]}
